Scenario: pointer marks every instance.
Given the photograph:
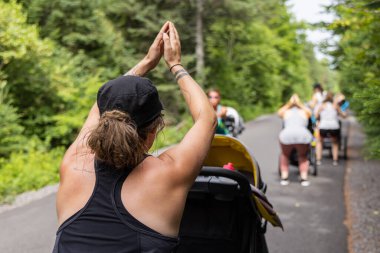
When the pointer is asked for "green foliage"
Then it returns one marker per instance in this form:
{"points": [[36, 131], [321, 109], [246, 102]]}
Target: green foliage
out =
{"points": [[244, 67], [357, 56], [255, 55], [28, 171], [11, 138], [80, 25], [78, 98], [26, 66], [17, 40], [172, 134]]}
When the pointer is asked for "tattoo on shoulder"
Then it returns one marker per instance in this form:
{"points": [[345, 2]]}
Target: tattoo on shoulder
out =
{"points": [[83, 170]]}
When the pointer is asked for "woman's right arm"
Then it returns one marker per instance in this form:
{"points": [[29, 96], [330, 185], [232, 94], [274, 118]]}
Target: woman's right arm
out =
{"points": [[185, 159]]}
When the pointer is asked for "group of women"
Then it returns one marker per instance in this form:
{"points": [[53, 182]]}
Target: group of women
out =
{"points": [[323, 112]]}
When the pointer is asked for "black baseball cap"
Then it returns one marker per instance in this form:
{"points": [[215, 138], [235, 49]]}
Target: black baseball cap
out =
{"points": [[132, 94]]}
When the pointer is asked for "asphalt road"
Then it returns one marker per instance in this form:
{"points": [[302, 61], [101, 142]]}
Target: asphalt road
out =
{"points": [[312, 216]]}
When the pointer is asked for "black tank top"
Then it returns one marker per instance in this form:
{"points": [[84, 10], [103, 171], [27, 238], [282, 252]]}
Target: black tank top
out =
{"points": [[104, 225]]}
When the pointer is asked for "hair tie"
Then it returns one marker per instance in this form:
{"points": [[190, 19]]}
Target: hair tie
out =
{"points": [[178, 64]]}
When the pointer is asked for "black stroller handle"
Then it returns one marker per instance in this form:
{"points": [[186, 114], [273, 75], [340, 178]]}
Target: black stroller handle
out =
{"points": [[244, 186], [242, 181]]}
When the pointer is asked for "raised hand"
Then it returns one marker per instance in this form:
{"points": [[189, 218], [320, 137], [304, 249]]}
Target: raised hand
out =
{"points": [[172, 46], [296, 99], [152, 58], [157, 48]]}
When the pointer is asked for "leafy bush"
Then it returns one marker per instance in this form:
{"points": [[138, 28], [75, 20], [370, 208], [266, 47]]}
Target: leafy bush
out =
{"points": [[172, 134], [10, 130], [28, 171]]}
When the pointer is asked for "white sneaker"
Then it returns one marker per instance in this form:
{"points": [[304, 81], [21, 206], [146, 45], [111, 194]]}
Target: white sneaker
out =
{"points": [[319, 162], [284, 182], [305, 182], [335, 163]]}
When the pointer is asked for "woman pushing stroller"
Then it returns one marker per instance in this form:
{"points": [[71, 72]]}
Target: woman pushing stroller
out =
{"points": [[230, 123], [294, 135], [113, 196], [329, 126]]}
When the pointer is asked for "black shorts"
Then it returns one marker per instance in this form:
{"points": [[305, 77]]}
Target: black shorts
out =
{"points": [[327, 133]]}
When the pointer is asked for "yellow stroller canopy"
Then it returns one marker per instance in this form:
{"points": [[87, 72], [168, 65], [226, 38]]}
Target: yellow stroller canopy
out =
{"points": [[225, 149]]}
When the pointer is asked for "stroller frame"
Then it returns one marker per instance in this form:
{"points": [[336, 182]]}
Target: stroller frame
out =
{"points": [[226, 211]]}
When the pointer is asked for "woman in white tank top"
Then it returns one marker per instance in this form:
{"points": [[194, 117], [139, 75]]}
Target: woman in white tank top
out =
{"points": [[328, 115], [294, 135]]}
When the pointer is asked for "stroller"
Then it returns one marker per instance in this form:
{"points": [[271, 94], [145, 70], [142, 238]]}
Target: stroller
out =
{"points": [[226, 210], [233, 122]]}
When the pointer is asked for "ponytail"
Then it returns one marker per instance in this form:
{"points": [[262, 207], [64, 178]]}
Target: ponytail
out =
{"points": [[117, 141]]}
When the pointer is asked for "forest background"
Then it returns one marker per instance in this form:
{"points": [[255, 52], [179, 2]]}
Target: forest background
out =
{"points": [[55, 54]]}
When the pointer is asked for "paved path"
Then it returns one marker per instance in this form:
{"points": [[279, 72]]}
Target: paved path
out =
{"points": [[29, 229], [313, 216]]}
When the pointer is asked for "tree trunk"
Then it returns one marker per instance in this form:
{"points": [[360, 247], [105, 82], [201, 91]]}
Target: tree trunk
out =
{"points": [[199, 46]]}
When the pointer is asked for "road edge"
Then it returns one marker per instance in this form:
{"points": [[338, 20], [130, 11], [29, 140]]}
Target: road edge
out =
{"points": [[346, 193]]}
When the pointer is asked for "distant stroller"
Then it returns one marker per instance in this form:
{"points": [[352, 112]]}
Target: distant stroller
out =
{"points": [[226, 210], [234, 122]]}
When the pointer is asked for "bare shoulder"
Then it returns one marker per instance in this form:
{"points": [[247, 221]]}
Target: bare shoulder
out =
{"points": [[285, 114], [156, 169], [159, 172], [151, 182], [78, 158], [77, 181]]}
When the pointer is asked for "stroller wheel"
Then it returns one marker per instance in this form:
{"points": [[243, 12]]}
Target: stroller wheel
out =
{"points": [[314, 170], [313, 167], [345, 139]]}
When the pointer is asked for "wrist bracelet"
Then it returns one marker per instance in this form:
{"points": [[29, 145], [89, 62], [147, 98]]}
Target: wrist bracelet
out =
{"points": [[179, 76], [179, 71], [178, 64]]}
